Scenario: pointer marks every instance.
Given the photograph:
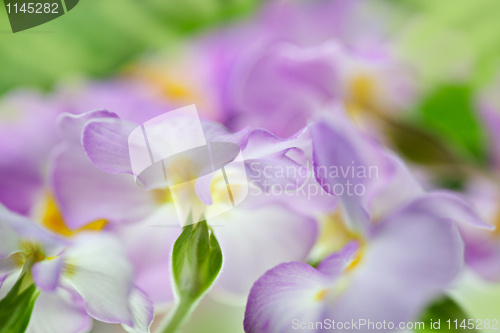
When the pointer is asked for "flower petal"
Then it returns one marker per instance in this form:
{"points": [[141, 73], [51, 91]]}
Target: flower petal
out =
{"points": [[149, 246], [339, 147], [97, 267], [288, 292], [255, 240], [17, 228], [412, 257], [70, 126], [106, 143], [47, 273], [58, 312], [86, 194], [142, 311], [450, 205], [9, 239]]}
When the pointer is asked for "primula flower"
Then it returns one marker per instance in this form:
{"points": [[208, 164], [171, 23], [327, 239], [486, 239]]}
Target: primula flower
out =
{"points": [[276, 71], [482, 247], [253, 240], [86, 277], [401, 246], [26, 137], [28, 131]]}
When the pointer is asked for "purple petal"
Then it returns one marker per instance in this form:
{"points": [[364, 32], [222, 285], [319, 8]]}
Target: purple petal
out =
{"points": [[482, 254], [411, 258], [341, 154], [256, 240], [86, 194], [47, 273], [288, 292], [25, 142], [106, 144], [21, 181], [400, 189], [215, 132], [70, 126], [449, 205], [335, 264]]}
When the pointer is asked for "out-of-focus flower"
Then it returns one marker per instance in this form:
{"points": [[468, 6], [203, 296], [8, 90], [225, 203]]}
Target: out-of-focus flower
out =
{"points": [[402, 245], [482, 247], [29, 131], [43, 161], [276, 71], [253, 240], [26, 137], [86, 277]]}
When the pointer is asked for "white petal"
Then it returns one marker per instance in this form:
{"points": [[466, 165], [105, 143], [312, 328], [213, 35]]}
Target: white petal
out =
{"points": [[142, 310], [97, 267], [9, 240], [254, 241], [59, 312]]}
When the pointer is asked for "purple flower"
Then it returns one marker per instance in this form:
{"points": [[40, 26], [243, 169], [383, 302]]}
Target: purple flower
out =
{"points": [[29, 131], [277, 71], [254, 238], [87, 277], [402, 245]]}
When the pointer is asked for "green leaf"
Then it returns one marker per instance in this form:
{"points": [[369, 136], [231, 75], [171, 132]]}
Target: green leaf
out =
{"points": [[418, 145], [441, 311], [196, 263], [450, 112], [16, 307], [196, 260]]}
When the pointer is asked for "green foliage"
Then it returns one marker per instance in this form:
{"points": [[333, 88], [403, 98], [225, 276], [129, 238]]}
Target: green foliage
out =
{"points": [[418, 145], [444, 309], [98, 38], [452, 36], [450, 111], [16, 307], [196, 262]]}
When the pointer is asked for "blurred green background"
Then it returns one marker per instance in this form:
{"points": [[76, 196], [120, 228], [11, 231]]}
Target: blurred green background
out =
{"points": [[98, 37]]}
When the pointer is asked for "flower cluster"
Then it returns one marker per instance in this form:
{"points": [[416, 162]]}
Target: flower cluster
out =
{"points": [[339, 224]]}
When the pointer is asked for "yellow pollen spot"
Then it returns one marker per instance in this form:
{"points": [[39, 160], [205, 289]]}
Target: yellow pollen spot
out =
{"points": [[321, 295], [18, 259], [333, 235], [169, 86], [357, 259], [53, 221], [362, 89], [32, 250], [496, 232], [361, 95], [162, 196], [69, 269]]}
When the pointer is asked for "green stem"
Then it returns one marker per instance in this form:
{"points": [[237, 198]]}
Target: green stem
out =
{"points": [[178, 316]]}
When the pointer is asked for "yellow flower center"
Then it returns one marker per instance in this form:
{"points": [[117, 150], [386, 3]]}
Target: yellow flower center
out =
{"points": [[333, 236], [53, 221], [361, 95]]}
